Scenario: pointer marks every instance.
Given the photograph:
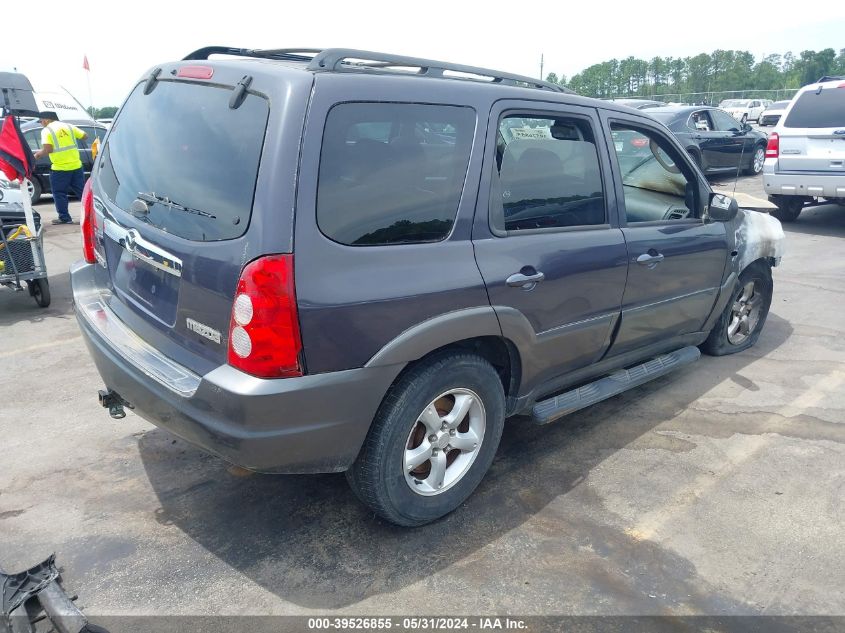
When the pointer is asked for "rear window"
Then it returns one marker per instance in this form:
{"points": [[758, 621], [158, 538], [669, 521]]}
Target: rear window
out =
{"points": [[818, 109], [392, 173], [182, 143]]}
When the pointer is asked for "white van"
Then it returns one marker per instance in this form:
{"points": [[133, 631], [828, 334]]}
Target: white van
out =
{"points": [[63, 104], [805, 156]]}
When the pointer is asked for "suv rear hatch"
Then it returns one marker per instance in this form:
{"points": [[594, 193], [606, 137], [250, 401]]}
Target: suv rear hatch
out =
{"points": [[176, 205], [812, 138]]}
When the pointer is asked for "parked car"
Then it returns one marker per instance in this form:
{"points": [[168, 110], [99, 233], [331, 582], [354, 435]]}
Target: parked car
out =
{"points": [[386, 306], [744, 110], [40, 182], [106, 122], [805, 156], [10, 194], [771, 115], [638, 104], [717, 142]]}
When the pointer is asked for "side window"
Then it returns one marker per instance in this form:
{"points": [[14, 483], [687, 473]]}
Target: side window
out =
{"points": [[383, 181], [658, 185], [725, 122], [700, 121], [93, 132], [547, 175], [33, 139]]}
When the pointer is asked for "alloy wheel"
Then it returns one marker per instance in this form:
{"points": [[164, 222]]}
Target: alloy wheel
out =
{"points": [[444, 442], [745, 314], [759, 158]]}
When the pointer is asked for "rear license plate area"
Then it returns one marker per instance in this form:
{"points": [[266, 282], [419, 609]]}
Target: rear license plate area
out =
{"points": [[154, 290]]}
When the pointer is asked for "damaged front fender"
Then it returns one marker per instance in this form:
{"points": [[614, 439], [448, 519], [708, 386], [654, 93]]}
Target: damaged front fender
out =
{"points": [[756, 236]]}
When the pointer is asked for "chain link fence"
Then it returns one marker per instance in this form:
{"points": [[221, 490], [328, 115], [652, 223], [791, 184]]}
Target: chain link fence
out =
{"points": [[716, 97]]}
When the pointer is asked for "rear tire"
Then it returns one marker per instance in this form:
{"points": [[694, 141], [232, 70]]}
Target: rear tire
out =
{"points": [[413, 428], [757, 159], [740, 324], [788, 207]]}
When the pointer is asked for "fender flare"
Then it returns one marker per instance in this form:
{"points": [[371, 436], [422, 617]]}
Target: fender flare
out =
{"points": [[434, 333]]}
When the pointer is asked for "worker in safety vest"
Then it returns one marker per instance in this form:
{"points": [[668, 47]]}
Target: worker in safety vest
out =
{"points": [[59, 141]]}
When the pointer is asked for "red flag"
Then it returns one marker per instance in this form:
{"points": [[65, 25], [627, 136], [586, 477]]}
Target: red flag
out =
{"points": [[16, 159], [85, 63]]}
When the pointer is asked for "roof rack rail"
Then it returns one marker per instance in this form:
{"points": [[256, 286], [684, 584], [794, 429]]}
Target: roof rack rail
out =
{"points": [[350, 59], [830, 78], [280, 54], [341, 59]]}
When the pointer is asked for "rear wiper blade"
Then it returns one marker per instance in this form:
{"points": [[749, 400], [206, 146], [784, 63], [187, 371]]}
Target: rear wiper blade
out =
{"points": [[154, 198]]}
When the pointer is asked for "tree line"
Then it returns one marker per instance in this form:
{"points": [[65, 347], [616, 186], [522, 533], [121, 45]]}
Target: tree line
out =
{"points": [[719, 71], [102, 113]]}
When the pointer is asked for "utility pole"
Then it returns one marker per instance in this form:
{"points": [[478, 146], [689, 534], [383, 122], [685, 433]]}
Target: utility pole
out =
{"points": [[541, 66]]}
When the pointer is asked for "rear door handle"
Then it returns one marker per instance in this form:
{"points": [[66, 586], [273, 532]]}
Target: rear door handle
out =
{"points": [[647, 259], [518, 280]]}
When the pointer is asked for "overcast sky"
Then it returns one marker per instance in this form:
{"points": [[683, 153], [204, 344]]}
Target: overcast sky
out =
{"points": [[122, 40]]}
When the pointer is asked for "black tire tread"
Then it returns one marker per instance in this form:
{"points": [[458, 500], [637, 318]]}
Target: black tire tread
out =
{"points": [[37, 190], [750, 169], [365, 475], [42, 298], [717, 343]]}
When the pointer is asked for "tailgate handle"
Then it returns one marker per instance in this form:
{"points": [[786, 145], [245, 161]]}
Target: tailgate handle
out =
{"points": [[141, 249]]}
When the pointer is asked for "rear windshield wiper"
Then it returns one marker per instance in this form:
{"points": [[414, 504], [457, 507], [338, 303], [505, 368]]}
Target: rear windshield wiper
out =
{"points": [[154, 198]]}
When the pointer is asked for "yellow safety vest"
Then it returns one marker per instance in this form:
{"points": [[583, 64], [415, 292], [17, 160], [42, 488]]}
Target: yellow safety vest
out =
{"points": [[65, 154]]}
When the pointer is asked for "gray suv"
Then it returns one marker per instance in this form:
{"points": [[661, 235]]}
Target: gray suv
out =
{"points": [[314, 261]]}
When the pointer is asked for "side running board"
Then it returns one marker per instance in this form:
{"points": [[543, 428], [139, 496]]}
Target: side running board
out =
{"points": [[549, 410]]}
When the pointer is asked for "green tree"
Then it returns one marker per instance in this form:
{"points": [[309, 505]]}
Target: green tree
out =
{"points": [[840, 62], [102, 113]]}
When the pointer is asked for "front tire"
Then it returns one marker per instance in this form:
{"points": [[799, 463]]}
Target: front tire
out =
{"points": [[739, 326], [432, 440]]}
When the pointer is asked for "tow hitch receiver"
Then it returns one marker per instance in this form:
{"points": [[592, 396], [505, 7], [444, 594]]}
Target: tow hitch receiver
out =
{"points": [[112, 401]]}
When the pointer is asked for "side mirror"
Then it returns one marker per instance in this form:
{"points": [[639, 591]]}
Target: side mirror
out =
{"points": [[722, 208], [746, 127]]}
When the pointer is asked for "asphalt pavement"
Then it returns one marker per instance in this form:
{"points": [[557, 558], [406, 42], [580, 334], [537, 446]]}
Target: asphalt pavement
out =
{"points": [[715, 490]]}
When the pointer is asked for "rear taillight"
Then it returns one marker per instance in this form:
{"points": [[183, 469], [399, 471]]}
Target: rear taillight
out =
{"points": [[89, 225], [773, 146], [264, 335], [639, 142]]}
